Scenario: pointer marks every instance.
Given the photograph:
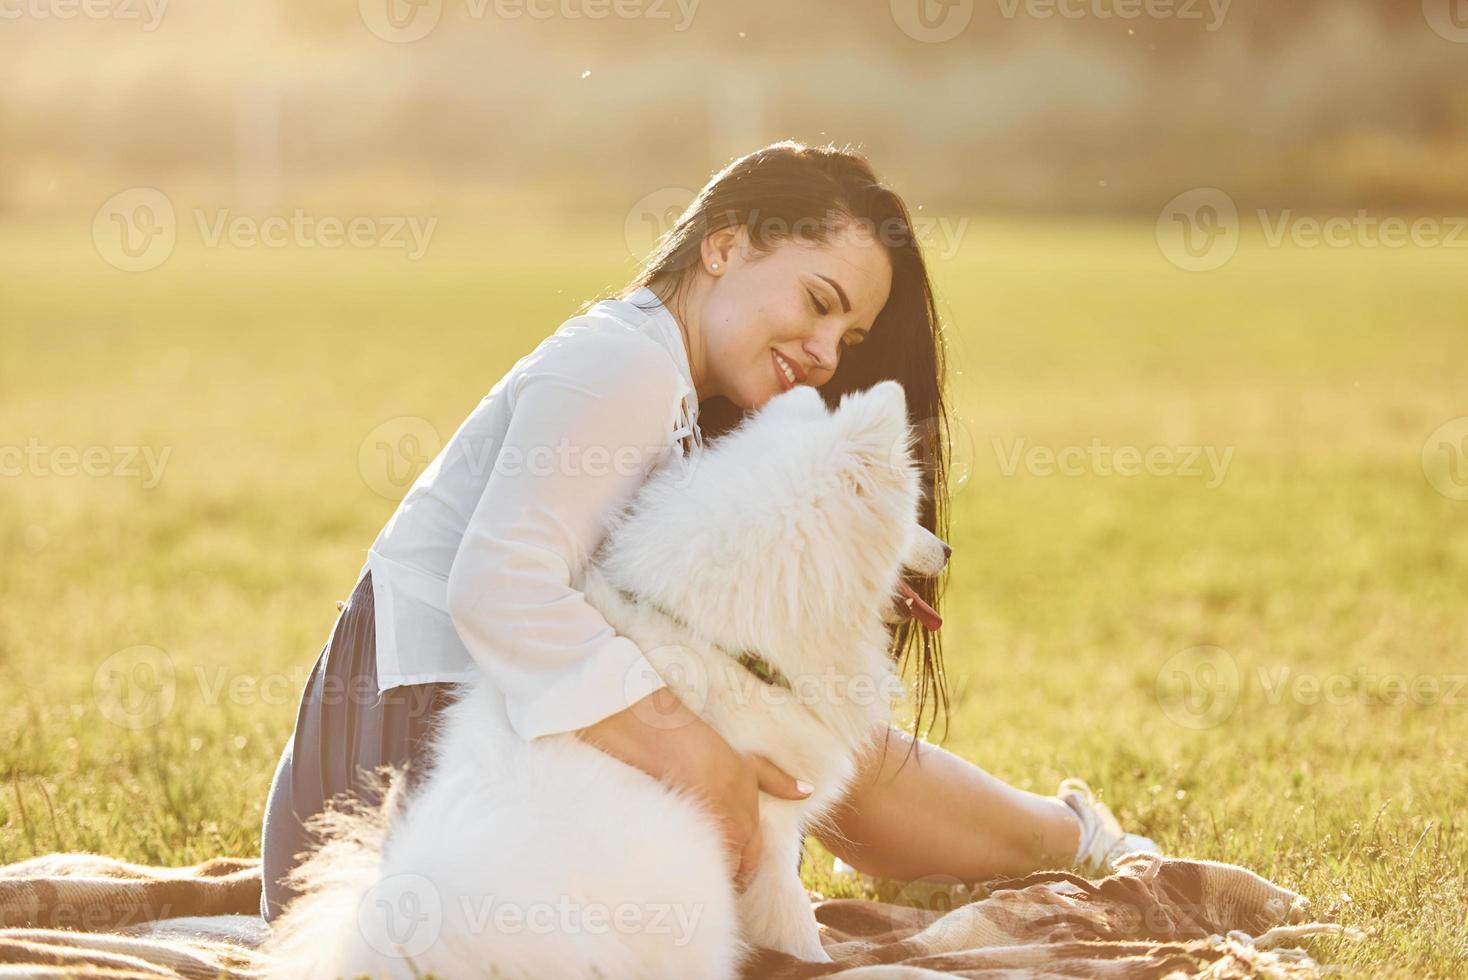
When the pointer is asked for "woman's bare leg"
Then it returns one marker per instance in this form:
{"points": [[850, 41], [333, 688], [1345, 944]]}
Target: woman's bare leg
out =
{"points": [[943, 815]]}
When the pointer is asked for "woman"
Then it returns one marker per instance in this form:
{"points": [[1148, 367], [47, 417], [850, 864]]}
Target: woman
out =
{"points": [[793, 266]]}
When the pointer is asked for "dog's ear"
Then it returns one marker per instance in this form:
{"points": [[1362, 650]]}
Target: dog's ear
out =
{"points": [[874, 422], [802, 401]]}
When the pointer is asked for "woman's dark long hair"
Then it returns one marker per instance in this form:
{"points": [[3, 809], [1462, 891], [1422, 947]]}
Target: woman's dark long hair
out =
{"points": [[789, 189]]}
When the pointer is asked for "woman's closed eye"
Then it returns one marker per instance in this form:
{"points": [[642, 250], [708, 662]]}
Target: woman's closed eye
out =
{"points": [[852, 338], [820, 307]]}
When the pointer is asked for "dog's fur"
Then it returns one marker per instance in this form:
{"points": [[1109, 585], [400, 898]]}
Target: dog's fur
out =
{"points": [[554, 859]]}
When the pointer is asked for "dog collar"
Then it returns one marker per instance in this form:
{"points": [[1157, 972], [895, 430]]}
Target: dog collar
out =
{"points": [[762, 668], [748, 659]]}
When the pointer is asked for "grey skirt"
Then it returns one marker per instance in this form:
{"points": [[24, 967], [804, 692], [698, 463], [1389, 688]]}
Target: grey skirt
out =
{"points": [[344, 731]]}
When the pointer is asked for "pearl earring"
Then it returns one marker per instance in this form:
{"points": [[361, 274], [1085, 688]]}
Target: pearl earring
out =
{"points": [[714, 266]]}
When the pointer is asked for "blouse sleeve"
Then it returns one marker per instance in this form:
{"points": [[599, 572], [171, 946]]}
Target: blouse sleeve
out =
{"points": [[589, 421]]}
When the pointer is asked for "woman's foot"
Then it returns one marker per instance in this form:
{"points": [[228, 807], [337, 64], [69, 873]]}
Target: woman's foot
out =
{"points": [[1103, 842]]}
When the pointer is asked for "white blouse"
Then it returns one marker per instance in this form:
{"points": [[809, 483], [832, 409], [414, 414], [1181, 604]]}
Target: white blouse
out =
{"points": [[479, 568]]}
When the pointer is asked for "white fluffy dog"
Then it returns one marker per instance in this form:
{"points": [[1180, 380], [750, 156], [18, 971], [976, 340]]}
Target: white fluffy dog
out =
{"points": [[759, 586]]}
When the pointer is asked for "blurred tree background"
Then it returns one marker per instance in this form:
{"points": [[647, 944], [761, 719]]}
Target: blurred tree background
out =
{"points": [[539, 105]]}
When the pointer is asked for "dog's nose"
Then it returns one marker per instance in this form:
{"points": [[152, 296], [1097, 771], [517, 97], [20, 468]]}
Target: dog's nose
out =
{"points": [[947, 551]]}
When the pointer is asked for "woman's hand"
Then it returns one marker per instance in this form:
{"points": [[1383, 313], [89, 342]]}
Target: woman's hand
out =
{"points": [[663, 738]]}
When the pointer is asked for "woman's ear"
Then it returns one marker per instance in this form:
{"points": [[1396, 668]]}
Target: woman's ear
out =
{"points": [[717, 247]]}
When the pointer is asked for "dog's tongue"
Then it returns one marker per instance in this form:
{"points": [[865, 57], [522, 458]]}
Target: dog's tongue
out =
{"points": [[925, 613]]}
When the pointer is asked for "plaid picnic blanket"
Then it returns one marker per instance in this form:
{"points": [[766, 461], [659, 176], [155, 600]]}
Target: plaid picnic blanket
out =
{"points": [[82, 915]]}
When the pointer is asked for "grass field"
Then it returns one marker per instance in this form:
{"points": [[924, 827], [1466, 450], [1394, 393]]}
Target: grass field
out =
{"points": [[1318, 736]]}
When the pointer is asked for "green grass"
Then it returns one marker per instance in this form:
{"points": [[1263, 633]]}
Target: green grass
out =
{"points": [[1323, 551]]}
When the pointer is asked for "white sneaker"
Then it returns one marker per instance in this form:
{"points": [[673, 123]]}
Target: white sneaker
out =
{"points": [[1103, 842]]}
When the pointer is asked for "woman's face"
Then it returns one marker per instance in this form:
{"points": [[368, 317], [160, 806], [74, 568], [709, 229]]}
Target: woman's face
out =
{"points": [[800, 304]]}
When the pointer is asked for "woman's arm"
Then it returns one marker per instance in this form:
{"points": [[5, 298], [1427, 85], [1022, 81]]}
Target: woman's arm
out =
{"points": [[942, 815], [591, 416]]}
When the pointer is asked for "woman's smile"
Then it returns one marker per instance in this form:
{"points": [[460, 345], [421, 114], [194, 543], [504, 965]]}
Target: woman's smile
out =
{"points": [[787, 372]]}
